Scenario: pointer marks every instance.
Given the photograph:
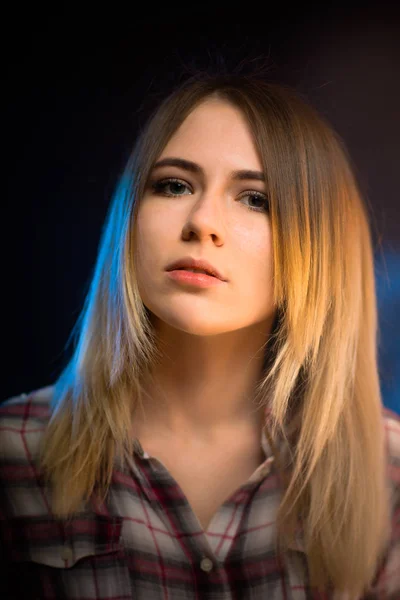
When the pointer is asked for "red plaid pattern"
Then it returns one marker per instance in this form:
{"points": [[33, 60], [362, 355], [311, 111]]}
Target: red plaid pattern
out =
{"points": [[145, 542]]}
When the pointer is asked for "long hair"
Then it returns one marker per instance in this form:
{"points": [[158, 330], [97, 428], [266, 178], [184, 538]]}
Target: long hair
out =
{"points": [[321, 377]]}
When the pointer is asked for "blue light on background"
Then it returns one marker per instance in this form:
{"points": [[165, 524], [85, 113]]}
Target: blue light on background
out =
{"points": [[387, 276]]}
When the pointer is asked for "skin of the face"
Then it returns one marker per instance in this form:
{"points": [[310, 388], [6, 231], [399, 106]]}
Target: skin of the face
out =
{"points": [[211, 336]]}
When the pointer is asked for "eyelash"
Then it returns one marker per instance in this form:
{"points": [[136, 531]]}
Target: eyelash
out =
{"points": [[158, 187]]}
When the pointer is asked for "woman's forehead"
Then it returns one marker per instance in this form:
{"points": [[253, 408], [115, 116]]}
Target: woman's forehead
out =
{"points": [[214, 129]]}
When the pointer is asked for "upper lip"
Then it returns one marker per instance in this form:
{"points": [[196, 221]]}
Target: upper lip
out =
{"points": [[191, 263]]}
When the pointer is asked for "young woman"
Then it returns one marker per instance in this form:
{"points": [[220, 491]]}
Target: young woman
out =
{"points": [[219, 430]]}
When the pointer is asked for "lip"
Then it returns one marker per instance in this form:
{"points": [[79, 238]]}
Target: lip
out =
{"points": [[194, 279], [192, 263]]}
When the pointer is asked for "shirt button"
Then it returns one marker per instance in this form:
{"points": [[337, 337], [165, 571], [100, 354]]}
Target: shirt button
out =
{"points": [[66, 553], [206, 565]]}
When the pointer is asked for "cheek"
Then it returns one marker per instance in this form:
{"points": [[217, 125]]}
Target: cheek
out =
{"points": [[255, 243], [150, 228], [255, 252]]}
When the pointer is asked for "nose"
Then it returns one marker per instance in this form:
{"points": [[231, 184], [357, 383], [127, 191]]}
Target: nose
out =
{"points": [[206, 215]]}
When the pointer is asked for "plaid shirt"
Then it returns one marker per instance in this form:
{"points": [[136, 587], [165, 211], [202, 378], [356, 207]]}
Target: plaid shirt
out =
{"points": [[145, 542]]}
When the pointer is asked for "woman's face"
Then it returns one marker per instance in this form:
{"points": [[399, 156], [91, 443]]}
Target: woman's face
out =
{"points": [[207, 217]]}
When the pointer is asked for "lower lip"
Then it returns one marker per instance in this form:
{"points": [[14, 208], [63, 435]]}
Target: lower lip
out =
{"points": [[197, 279]]}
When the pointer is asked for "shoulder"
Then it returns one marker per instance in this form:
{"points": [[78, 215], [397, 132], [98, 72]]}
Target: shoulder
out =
{"points": [[391, 421], [23, 420], [387, 581], [24, 414], [34, 404], [390, 574]]}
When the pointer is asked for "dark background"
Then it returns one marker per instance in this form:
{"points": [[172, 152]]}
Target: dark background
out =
{"points": [[75, 98]]}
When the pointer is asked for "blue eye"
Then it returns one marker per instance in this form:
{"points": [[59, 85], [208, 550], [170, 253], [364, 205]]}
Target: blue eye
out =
{"points": [[177, 188]]}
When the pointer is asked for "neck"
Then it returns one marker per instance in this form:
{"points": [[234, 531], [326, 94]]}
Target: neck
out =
{"points": [[204, 386]]}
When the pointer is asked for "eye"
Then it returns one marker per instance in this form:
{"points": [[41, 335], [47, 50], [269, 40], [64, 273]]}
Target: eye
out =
{"points": [[258, 197], [176, 186]]}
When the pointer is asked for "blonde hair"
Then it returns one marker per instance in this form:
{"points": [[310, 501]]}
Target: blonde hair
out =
{"points": [[321, 377]]}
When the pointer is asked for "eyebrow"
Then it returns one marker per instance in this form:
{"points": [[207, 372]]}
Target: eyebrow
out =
{"points": [[193, 167]]}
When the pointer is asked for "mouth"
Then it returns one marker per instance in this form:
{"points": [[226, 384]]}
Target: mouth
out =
{"points": [[196, 265], [193, 277], [195, 271]]}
